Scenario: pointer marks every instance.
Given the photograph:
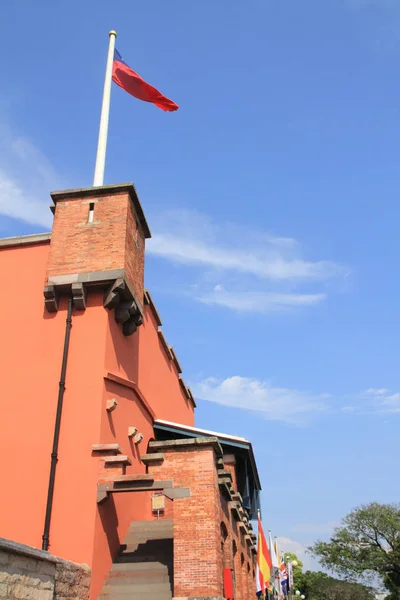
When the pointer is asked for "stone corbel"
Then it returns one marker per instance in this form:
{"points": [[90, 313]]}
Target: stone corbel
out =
{"points": [[79, 295], [50, 298], [126, 310]]}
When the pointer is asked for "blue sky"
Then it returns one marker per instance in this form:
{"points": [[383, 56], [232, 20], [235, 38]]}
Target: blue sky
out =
{"points": [[272, 195]]}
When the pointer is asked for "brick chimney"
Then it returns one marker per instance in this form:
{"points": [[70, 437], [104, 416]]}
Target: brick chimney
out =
{"points": [[98, 242]]}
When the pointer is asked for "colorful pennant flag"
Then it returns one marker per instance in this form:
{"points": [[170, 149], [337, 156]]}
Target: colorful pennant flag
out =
{"points": [[275, 572], [264, 565]]}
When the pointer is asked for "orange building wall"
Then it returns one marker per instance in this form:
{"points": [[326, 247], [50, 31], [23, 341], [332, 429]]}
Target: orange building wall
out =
{"points": [[142, 358], [30, 362], [25, 423]]}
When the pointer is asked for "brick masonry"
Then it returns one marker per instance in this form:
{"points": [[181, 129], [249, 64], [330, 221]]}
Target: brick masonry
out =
{"points": [[114, 239], [30, 574], [207, 538]]}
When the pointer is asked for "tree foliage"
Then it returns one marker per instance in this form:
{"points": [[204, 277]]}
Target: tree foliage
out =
{"points": [[320, 586], [367, 543]]}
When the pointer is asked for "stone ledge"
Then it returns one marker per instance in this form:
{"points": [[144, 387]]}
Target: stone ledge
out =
{"points": [[115, 460], [188, 444], [220, 464], [23, 550], [151, 458], [23, 240], [175, 360], [186, 391], [31, 552], [149, 301], [102, 448], [164, 343]]}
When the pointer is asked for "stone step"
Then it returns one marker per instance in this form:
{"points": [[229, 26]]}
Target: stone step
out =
{"points": [[152, 532], [156, 588], [132, 539], [134, 596], [155, 524], [141, 549], [144, 566], [162, 540], [137, 577], [149, 546], [162, 525], [162, 556], [161, 534], [143, 558]]}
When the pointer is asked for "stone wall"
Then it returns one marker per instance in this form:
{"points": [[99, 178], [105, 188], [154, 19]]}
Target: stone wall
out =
{"points": [[30, 574]]}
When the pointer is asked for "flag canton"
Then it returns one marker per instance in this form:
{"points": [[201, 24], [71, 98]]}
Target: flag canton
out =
{"points": [[118, 57]]}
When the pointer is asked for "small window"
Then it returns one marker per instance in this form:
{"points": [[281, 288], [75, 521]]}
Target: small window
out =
{"points": [[91, 212]]}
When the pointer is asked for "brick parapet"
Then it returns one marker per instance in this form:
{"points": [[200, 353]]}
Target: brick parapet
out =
{"points": [[200, 552], [99, 230]]}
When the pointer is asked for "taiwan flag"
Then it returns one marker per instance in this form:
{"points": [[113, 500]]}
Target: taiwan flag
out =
{"points": [[132, 83]]}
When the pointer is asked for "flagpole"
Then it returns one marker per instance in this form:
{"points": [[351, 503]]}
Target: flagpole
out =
{"points": [[105, 112]]}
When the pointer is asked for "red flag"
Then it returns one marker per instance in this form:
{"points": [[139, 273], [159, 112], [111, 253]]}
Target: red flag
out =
{"points": [[264, 563], [132, 83]]}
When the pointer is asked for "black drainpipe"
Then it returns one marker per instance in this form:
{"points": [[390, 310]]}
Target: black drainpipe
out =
{"points": [[57, 426]]}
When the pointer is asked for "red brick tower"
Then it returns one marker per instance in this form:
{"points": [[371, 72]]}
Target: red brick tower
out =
{"points": [[98, 242]]}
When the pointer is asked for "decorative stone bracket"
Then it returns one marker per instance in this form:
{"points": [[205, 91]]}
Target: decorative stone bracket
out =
{"points": [[51, 296], [126, 310], [118, 297]]}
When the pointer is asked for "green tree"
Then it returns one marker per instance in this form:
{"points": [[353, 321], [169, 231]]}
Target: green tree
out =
{"points": [[366, 544], [320, 586]]}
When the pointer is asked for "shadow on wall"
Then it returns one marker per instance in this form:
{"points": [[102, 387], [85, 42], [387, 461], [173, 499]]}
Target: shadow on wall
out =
{"points": [[109, 521], [125, 350]]}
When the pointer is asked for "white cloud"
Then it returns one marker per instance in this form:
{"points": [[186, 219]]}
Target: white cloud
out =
{"points": [[380, 400], [238, 268], [273, 403], [286, 544], [230, 267], [265, 258], [260, 302], [26, 178], [373, 401], [291, 405], [376, 391]]}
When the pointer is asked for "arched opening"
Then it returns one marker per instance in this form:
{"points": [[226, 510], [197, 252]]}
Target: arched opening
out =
{"points": [[244, 592], [235, 574], [224, 548]]}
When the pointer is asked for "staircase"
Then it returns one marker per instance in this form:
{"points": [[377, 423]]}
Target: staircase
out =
{"points": [[144, 566]]}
